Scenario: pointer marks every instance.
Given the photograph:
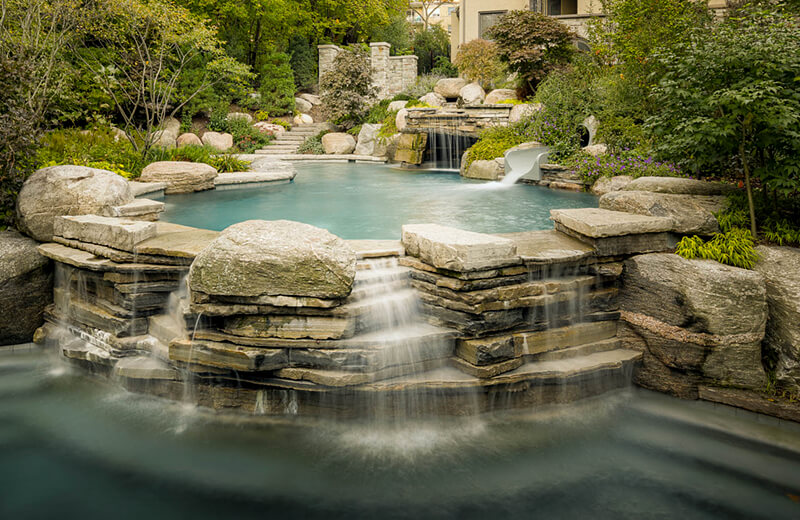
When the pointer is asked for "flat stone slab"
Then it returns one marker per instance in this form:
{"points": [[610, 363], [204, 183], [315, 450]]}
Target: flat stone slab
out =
{"points": [[86, 260], [138, 208], [145, 367], [224, 179], [146, 188], [679, 185], [548, 247], [112, 232], [176, 241], [603, 223], [376, 248], [691, 214], [458, 250], [324, 158]]}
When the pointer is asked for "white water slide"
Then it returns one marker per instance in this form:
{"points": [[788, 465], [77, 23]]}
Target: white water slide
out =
{"points": [[525, 161]]}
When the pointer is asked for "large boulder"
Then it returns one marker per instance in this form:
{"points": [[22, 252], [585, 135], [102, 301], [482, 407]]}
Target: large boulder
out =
{"points": [[218, 141], [180, 176], [367, 139], [338, 143], [400, 120], [449, 87], [500, 94], [189, 139], [701, 320], [518, 112], [605, 185], [492, 170], [302, 119], [269, 128], [277, 258], [679, 185], [691, 214], [164, 139], [458, 250], [67, 190], [472, 94], [386, 147], [433, 99], [26, 288], [172, 125], [396, 106], [780, 267], [311, 98], [239, 115], [302, 105]]}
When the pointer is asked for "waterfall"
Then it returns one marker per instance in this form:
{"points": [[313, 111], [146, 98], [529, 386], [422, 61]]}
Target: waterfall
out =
{"points": [[445, 148]]}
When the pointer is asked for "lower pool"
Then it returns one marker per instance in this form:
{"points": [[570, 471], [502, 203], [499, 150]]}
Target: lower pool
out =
{"points": [[365, 201], [74, 447]]}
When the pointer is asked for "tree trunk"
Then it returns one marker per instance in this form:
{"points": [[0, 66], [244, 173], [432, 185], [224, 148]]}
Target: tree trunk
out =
{"points": [[746, 168]]}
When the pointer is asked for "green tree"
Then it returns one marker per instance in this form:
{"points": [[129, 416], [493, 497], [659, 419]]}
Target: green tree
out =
{"points": [[479, 60], [532, 45], [147, 48], [347, 90], [303, 60], [429, 44], [732, 91], [277, 84]]}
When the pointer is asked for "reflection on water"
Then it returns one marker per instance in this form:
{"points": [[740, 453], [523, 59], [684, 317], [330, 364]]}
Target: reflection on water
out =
{"points": [[73, 446], [373, 202]]}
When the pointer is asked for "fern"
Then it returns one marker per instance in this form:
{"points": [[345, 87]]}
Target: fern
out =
{"points": [[735, 248]]}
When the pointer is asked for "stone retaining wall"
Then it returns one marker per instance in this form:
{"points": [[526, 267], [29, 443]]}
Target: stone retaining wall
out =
{"points": [[390, 74]]}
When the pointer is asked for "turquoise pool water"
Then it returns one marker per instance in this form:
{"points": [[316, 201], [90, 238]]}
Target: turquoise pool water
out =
{"points": [[374, 201], [75, 448]]}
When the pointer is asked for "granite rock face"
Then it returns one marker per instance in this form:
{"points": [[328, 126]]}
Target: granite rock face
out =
{"points": [[449, 87], [698, 318], [67, 190], [189, 139], [338, 143], [500, 94], [450, 248], [679, 185], [367, 139], [276, 258], [219, 141], [492, 170], [180, 176], [302, 105], [26, 288], [605, 185], [472, 94], [691, 214], [780, 267]]}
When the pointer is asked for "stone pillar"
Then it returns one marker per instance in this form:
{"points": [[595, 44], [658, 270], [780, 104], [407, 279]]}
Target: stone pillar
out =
{"points": [[409, 71], [395, 85], [379, 54], [327, 53]]}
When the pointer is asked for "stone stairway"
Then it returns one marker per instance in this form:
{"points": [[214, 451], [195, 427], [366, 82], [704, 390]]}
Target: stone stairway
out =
{"points": [[289, 142]]}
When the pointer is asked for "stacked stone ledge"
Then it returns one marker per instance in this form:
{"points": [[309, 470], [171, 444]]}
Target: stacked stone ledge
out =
{"points": [[535, 296]]}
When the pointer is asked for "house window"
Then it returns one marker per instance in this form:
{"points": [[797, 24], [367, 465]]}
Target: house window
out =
{"points": [[487, 19], [537, 6], [554, 7]]}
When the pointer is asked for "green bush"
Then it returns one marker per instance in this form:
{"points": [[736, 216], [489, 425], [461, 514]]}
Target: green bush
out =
{"points": [[313, 145], [85, 147], [246, 139], [423, 85], [347, 88], [625, 163], [494, 142], [276, 84], [388, 126], [378, 112], [532, 45], [778, 217], [736, 248], [621, 133], [303, 60], [443, 67], [429, 45], [479, 60]]}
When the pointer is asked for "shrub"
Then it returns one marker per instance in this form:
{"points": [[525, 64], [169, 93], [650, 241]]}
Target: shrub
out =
{"points": [[303, 60], [347, 88], [443, 67], [778, 217], [532, 44], [621, 133], [74, 146], [246, 139], [378, 112], [626, 163], [276, 84], [735, 248], [494, 142], [313, 145], [261, 115], [388, 126], [430, 44], [424, 84], [479, 60]]}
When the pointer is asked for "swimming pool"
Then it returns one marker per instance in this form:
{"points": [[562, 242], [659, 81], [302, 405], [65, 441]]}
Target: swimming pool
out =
{"points": [[365, 201]]}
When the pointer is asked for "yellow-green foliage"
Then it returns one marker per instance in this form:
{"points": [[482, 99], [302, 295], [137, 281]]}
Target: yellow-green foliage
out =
{"points": [[511, 102], [736, 248], [416, 103], [494, 142], [388, 126]]}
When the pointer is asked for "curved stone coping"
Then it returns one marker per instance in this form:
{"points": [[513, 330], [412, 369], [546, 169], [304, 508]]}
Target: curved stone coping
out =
{"points": [[154, 189], [326, 158], [254, 177]]}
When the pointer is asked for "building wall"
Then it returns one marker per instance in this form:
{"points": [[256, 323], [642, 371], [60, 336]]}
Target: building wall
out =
{"points": [[390, 74]]}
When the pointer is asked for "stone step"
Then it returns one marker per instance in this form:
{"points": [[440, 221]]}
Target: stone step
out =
{"points": [[579, 350], [121, 234], [165, 329], [145, 367]]}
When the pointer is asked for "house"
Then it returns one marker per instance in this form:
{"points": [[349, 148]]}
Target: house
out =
{"points": [[437, 13], [474, 17]]}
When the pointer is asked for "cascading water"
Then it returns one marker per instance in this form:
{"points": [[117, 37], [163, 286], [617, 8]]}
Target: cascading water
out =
{"points": [[445, 148]]}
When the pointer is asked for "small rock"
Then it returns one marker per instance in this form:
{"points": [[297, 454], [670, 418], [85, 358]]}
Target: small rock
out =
{"points": [[303, 119], [454, 249], [239, 115], [449, 87], [519, 112], [302, 105], [311, 98], [164, 139], [433, 99], [396, 106], [400, 121], [219, 141], [367, 139], [189, 139], [500, 94], [605, 185], [472, 94], [491, 170], [596, 150], [269, 128], [338, 143]]}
